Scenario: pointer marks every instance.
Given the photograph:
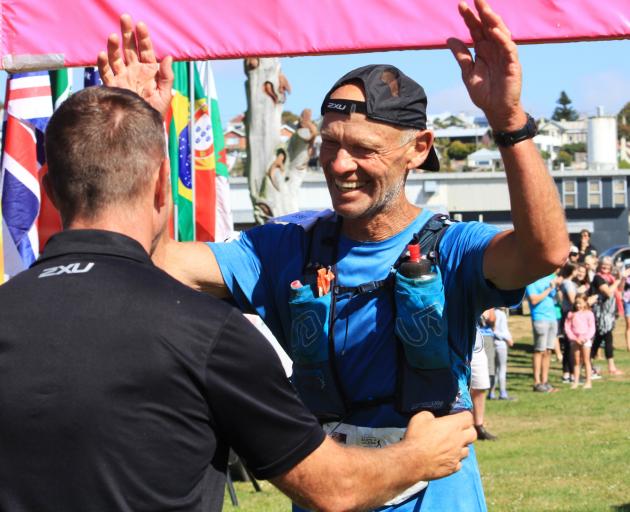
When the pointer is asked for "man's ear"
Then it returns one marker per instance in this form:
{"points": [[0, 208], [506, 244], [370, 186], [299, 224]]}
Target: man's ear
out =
{"points": [[49, 191], [423, 143], [162, 189]]}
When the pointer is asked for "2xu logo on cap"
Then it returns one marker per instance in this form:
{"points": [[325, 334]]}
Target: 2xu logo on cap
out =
{"points": [[72, 268], [341, 107], [346, 107]]}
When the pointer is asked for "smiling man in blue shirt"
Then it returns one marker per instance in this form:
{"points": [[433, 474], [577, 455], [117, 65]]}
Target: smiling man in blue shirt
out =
{"points": [[361, 364]]}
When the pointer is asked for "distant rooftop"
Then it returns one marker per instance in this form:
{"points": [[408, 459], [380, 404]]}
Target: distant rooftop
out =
{"points": [[453, 132], [493, 154]]}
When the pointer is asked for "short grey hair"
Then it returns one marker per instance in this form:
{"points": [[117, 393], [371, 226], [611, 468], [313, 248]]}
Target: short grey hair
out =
{"points": [[408, 135]]}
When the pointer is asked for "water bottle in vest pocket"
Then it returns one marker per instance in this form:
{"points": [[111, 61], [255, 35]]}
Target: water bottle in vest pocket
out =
{"points": [[312, 373], [425, 380], [421, 324]]}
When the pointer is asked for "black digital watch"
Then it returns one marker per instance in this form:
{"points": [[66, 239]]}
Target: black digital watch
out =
{"points": [[507, 139]]}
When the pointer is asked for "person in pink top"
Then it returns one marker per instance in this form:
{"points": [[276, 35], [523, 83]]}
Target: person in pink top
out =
{"points": [[579, 328]]}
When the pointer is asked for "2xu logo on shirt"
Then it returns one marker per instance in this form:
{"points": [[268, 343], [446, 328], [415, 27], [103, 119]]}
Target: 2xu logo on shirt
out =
{"points": [[72, 268]]}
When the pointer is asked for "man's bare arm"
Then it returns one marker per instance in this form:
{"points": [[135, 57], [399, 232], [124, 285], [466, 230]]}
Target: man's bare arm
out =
{"points": [[535, 299], [539, 242], [192, 263], [339, 478]]}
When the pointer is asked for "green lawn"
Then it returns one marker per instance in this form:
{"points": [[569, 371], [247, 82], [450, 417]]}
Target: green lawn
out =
{"points": [[565, 451], [269, 500]]}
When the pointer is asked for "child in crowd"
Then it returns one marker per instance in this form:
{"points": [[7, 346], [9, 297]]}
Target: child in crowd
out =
{"points": [[579, 327], [502, 339], [625, 296]]}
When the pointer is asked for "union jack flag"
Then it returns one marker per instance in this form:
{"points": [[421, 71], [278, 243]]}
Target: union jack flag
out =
{"points": [[28, 107], [91, 77]]}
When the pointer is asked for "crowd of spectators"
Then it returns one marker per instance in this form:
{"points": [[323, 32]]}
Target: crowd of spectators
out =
{"points": [[576, 309], [574, 312]]}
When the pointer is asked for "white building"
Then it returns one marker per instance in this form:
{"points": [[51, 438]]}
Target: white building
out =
{"points": [[552, 135], [484, 159], [593, 200]]}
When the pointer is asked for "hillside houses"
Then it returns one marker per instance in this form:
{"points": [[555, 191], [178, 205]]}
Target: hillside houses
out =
{"points": [[461, 127], [485, 159], [552, 135], [564, 132]]}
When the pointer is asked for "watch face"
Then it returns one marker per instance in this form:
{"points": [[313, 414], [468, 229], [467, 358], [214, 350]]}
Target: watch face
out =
{"points": [[532, 129]]}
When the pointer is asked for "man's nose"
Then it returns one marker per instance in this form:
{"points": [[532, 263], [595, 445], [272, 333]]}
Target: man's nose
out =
{"points": [[343, 162]]}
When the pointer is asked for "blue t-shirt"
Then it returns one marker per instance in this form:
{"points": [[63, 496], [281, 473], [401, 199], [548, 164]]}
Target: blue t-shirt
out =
{"points": [[259, 267], [545, 310]]}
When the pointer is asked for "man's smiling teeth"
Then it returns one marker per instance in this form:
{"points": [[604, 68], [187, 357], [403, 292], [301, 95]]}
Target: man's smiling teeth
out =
{"points": [[349, 185]]}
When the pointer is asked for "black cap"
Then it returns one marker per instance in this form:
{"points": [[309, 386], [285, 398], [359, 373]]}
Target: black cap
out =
{"points": [[390, 97]]}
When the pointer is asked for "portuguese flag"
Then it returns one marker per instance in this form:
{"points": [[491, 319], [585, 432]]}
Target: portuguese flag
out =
{"points": [[200, 195], [212, 190]]}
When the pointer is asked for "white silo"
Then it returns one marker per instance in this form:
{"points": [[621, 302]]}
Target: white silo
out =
{"points": [[602, 142]]}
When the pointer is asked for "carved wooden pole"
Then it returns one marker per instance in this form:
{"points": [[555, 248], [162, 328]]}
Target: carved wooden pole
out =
{"points": [[262, 122], [299, 150], [275, 171]]}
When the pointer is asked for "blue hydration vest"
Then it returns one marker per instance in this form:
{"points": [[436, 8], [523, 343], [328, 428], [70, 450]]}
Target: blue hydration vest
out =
{"points": [[424, 381]]}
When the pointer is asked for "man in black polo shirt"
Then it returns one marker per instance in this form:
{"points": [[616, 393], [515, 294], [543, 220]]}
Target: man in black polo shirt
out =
{"points": [[122, 389]]}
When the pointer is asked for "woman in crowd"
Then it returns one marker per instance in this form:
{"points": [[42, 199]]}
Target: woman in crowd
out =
{"points": [[579, 328], [568, 289], [605, 284], [585, 247]]}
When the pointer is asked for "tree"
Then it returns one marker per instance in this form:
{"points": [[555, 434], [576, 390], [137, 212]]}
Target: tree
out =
{"points": [[449, 121], [563, 158], [573, 148], [290, 118], [454, 121], [459, 150], [623, 122], [438, 123], [441, 146], [564, 111]]}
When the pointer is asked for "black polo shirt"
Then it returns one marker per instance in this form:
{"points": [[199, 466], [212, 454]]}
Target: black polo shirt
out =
{"points": [[122, 390]]}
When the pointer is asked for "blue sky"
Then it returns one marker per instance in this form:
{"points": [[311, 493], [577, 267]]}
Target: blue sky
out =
{"points": [[592, 74]]}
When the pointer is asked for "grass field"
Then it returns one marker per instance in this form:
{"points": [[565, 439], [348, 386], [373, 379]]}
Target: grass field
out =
{"points": [[565, 451]]}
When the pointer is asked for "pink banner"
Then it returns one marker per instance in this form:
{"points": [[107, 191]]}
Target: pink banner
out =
{"points": [[39, 34]]}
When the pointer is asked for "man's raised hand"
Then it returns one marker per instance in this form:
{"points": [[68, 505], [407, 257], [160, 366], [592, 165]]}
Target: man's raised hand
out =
{"points": [[135, 67], [493, 76]]}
